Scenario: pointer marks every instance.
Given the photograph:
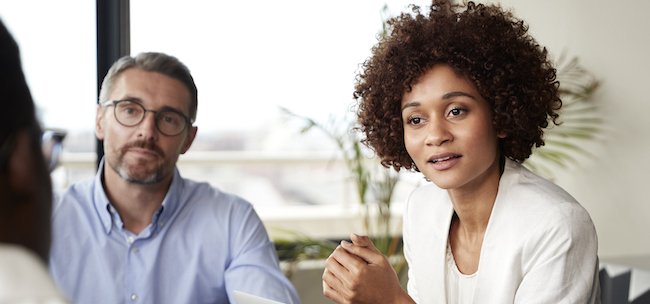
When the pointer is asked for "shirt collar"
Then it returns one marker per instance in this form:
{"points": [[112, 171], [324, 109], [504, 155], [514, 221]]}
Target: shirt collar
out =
{"points": [[109, 216]]}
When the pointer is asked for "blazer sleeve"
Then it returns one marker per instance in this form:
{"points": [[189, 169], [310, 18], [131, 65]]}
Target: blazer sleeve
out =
{"points": [[411, 284], [560, 259]]}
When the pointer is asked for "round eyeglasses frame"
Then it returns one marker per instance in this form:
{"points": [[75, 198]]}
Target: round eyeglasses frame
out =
{"points": [[114, 103]]}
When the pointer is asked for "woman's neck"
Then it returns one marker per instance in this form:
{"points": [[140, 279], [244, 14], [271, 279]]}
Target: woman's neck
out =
{"points": [[473, 203]]}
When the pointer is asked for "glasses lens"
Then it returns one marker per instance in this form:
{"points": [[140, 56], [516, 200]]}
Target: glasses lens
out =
{"points": [[128, 113], [51, 145], [170, 122]]}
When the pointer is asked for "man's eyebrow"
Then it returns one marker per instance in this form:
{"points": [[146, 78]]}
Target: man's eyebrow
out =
{"points": [[130, 99], [164, 108]]}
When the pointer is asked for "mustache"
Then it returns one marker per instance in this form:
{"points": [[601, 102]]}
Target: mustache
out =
{"points": [[143, 144]]}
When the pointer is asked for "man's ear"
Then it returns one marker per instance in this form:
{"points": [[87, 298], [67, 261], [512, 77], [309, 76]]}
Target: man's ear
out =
{"points": [[99, 121], [189, 139]]}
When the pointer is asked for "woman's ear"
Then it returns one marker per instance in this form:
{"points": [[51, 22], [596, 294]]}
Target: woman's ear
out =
{"points": [[21, 162], [502, 134]]}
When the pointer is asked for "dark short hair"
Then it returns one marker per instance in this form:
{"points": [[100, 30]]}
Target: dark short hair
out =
{"points": [[484, 43], [165, 64], [24, 213], [16, 104]]}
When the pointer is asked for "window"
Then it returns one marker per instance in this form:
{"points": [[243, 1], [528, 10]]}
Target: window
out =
{"points": [[58, 51], [249, 60]]}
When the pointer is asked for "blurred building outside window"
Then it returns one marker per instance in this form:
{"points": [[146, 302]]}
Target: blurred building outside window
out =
{"points": [[249, 59]]}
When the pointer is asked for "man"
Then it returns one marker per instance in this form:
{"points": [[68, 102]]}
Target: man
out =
{"points": [[25, 189], [138, 232]]}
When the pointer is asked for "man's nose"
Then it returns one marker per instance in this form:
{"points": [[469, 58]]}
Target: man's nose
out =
{"points": [[147, 128]]}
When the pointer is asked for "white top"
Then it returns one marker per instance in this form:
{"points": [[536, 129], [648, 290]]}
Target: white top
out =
{"points": [[540, 245], [460, 287], [24, 278]]}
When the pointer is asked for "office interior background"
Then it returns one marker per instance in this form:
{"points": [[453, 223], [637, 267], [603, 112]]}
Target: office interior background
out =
{"points": [[250, 59]]}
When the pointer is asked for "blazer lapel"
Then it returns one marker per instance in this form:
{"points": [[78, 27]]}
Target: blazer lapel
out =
{"points": [[433, 231]]}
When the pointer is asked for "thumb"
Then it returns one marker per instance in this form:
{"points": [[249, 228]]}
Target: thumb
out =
{"points": [[363, 241], [364, 249]]}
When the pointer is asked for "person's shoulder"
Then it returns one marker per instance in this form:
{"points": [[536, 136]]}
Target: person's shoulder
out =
{"points": [[75, 195], [524, 189], [538, 200], [24, 277], [522, 182], [207, 195]]}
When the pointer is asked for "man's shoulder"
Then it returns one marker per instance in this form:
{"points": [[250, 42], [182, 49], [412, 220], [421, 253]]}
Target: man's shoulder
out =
{"points": [[210, 196], [80, 191]]}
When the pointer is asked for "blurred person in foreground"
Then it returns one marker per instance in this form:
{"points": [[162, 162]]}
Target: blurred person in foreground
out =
{"points": [[25, 189], [139, 232], [462, 94]]}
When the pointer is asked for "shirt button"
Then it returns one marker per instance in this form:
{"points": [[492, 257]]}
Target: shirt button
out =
{"points": [[129, 239], [134, 297], [134, 249], [162, 223]]}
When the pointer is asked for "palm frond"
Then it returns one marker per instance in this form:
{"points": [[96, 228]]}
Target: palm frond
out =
{"points": [[580, 121]]}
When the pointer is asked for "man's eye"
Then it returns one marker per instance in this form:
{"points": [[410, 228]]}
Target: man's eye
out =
{"points": [[170, 118]]}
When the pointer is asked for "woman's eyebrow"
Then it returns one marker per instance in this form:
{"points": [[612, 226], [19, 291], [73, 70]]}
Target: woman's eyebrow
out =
{"points": [[446, 96], [456, 94], [411, 104]]}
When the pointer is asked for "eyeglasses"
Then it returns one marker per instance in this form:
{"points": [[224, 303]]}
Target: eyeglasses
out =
{"points": [[51, 146], [130, 113]]}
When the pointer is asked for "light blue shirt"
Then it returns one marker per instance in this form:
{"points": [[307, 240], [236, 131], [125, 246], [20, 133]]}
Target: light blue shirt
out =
{"points": [[200, 246]]}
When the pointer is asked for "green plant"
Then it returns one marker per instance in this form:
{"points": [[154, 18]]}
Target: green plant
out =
{"points": [[581, 122], [374, 186]]}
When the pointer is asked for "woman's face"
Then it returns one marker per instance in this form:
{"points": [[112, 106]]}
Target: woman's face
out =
{"points": [[448, 131]]}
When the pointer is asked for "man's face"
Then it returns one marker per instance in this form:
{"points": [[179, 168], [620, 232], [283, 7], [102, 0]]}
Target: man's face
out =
{"points": [[141, 154]]}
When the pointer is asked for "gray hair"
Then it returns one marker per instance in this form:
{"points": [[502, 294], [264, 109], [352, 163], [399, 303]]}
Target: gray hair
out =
{"points": [[167, 65]]}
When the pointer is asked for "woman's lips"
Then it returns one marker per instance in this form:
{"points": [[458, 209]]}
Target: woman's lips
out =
{"points": [[444, 161]]}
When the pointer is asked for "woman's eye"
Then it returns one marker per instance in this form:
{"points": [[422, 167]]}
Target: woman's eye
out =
{"points": [[414, 120], [456, 111]]}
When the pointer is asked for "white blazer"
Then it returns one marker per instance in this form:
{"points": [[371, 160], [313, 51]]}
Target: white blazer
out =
{"points": [[540, 245]]}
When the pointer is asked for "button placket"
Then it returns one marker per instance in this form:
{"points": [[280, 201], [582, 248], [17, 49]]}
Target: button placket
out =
{"points": [[134, 270]]}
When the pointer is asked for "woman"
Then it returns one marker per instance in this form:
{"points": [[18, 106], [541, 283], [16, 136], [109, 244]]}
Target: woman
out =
{"points": [[462, 94]]}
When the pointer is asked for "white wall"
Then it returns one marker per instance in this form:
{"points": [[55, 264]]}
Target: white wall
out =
{"points": [[611, 39]]}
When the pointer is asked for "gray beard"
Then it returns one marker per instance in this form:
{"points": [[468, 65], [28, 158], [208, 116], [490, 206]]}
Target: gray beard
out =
{"points": [[149, 178], [153, 178]]}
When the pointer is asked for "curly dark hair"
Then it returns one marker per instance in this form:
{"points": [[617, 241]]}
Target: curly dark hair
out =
{"points": [[482, 42]]}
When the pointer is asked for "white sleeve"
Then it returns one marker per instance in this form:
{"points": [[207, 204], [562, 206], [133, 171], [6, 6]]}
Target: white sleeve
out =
{"points": [[411, 285], [562, 262]]}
